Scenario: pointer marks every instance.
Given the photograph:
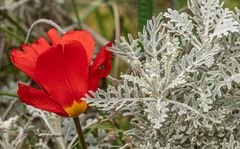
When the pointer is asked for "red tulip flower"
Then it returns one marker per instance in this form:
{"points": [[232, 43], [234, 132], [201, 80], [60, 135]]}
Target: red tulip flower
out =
{"points": [[62, 70]]}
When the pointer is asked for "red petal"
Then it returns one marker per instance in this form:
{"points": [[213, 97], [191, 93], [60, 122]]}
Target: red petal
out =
{"points": [[39, 99], [53, 36], [42, 42], [96, 73], [40, 46], [63, 72], [26, 59], [21, 60], [85, 38]]}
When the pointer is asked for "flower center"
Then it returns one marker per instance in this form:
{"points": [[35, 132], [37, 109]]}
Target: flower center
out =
{"points": [[76, 108]]}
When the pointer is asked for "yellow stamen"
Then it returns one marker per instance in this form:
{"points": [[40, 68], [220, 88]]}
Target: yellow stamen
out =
{"points": [[76, 108]]}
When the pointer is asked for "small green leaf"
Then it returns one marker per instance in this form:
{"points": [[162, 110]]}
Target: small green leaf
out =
{"points": [[14, 22], [4, 93], [11, 33]]}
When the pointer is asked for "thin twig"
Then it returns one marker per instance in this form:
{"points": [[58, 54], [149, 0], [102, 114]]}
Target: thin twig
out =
{"points": [[125, 146], [96, 35], [113, 80], [71, 143], [52, 130], [9, 108], [50, 22]]}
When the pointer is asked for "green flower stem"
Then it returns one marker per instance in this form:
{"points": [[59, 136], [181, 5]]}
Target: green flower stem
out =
{"points": [[80, 132]]}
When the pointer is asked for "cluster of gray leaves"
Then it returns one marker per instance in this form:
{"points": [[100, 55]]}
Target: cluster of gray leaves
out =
{"points": [[183, 90]]}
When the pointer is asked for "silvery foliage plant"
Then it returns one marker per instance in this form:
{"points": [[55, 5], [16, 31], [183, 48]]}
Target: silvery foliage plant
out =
{"points": [[183, 90]]}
